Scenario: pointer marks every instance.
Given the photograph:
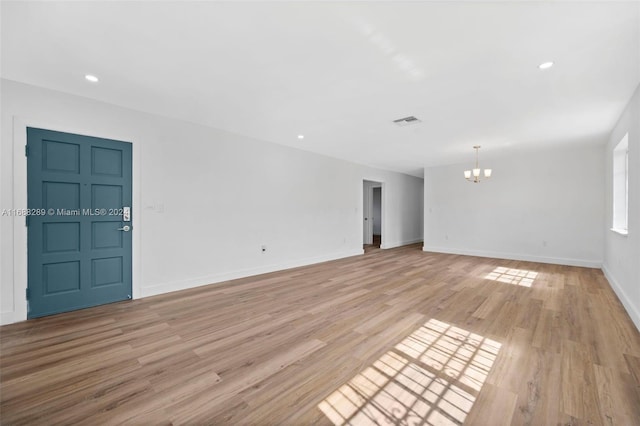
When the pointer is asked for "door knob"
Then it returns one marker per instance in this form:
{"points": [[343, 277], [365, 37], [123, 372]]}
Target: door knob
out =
{"points": [[125, 228]]}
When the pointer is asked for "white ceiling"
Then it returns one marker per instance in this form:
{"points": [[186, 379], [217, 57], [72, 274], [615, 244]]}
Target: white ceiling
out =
{"points": [[341, 72]]}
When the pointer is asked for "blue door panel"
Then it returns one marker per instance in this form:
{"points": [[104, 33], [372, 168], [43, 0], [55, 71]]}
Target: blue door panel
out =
{"points": [[60, 237], [106, 196], [107, 162], [60, 157], [60, 195], [104, 235], [77, 256]]}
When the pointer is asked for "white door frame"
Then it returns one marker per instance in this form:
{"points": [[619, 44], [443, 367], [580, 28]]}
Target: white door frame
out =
{"points": [[367, 209], [20, 124]]}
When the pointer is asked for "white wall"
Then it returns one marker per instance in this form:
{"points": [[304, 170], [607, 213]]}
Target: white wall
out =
{"points": [[622, 253], [407, 205], [543, 205], [205, 201]]}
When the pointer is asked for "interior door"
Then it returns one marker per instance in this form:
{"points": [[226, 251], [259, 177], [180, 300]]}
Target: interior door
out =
{"points": [[79, 227]]}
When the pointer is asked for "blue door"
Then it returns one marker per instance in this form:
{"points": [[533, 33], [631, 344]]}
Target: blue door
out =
{"points": [[79, 227]]}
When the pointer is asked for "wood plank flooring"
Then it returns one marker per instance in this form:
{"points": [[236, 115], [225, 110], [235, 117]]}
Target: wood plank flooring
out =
{"points": [[391, 337]]}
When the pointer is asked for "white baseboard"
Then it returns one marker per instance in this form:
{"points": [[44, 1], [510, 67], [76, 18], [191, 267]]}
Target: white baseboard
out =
{"points": [[524, 257], [218, 278], [14, 316], [632, 310], [386, 245]]}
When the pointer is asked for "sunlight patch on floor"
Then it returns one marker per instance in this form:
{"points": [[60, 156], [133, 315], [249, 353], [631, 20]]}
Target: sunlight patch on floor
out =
{"points": [[432, 377], [519, 277]]}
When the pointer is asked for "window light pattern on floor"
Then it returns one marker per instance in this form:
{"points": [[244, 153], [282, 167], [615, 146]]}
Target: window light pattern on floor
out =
{"points": [[432, 377], [519, 277]]}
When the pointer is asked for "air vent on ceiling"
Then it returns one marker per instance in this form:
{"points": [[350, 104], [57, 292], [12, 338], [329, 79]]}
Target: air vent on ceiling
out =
{"points": [[407, 121]]}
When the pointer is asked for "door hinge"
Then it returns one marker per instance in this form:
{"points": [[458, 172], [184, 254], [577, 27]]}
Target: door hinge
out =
{"points": [[27, 295], [26, 150]]}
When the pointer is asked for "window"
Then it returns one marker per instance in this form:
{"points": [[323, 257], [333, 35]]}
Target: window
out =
{"points": [[621, 186]]}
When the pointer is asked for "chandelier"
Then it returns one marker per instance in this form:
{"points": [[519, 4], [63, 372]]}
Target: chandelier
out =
{"points": [[474, 175]]}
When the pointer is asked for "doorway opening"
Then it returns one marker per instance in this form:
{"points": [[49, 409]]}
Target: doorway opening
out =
{"points": [[372, 196]]}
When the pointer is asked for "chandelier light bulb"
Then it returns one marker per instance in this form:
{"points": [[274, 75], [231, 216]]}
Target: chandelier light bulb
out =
{"points": [[476, 171]]}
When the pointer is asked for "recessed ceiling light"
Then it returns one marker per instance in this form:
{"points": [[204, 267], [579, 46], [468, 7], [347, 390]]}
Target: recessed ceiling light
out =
{"points": [[300, 136], [91, 78], [545, 65]]}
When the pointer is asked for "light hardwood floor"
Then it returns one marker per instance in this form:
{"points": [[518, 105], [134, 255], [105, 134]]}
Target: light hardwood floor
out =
{"points": [[394, 337]]}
